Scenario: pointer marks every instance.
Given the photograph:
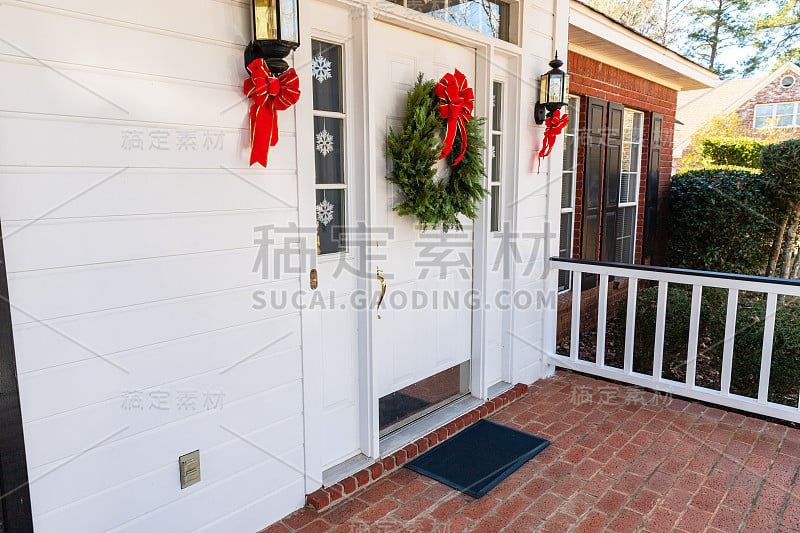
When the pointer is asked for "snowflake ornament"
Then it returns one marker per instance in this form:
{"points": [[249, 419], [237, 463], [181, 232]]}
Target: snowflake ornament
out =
{"points": [[325, 212], [324, 141], [321, 68]]}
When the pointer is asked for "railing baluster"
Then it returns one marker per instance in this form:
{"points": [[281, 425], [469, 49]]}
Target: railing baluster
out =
{"points": [[602, 318], [630, 325], [574, 341], [661, 324], [694, 334], [766, 348], [770, 291], [730, 335]]}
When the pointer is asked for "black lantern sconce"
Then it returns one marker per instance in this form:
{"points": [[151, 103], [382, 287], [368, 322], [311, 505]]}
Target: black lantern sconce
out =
{"points": [[276, 32], [553, 91]]}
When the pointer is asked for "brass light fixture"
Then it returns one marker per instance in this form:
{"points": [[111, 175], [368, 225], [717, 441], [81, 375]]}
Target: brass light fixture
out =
{"points": [[276, 32], [552, 92]]}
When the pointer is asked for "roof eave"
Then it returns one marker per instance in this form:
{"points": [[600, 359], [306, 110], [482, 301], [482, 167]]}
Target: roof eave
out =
{"points": [[632, 52]]}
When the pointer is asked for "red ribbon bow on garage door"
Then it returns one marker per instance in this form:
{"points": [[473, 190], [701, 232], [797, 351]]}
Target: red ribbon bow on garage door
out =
{"points": [[457, 102], [553, 126], [270, 95]]}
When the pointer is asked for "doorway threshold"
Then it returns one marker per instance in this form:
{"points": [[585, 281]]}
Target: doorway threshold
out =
{"points": [[419, 428], [336, 473], [396, 451], [499, 388]]}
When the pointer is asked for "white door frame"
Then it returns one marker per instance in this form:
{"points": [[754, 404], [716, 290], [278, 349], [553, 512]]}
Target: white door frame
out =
{"points": [[362, 60]]}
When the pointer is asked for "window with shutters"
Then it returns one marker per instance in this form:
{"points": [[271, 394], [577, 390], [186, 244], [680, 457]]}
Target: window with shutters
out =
{"points": [[569, 171], [633, 122]]}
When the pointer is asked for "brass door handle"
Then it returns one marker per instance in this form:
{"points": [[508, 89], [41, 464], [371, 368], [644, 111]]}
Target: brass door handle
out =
{"points": [[313, 279], [383, 291]]}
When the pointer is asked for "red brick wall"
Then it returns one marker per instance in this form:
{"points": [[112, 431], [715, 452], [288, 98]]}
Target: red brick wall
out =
{"points": [[591, 78], [774, 93]]}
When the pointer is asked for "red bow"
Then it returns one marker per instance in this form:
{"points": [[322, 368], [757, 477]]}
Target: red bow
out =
{"points": [[457, 101], [553, 126], [270, 95]]}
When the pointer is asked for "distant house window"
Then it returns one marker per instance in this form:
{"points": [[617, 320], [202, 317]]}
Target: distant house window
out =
{"points": [[787, 81], [633, 122], [568, 189], [783, 115], [490, 17]]}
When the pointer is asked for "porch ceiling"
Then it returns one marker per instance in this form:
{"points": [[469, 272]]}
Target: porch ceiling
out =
{"points": [[621, 459], [593, 34]]}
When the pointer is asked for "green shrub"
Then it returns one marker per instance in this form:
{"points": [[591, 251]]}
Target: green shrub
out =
{"points": [[780, 164], [733, 151], [720, 220]]}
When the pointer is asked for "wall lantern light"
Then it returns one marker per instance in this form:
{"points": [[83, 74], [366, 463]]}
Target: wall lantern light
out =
{"points": [[276, 32], [553, 91]]}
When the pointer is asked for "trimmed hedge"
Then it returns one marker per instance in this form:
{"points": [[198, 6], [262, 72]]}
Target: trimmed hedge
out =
{"points": [[710, 229], [734, 151], [780, 164]]}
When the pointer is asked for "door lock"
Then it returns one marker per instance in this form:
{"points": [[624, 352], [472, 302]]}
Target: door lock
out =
{"points": [[313, 279]]}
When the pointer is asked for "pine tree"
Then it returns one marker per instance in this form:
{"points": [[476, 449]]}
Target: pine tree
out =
{"points": [[776, 35], [718, 24]]}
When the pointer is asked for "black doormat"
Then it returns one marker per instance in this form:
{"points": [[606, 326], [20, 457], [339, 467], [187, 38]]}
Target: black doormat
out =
{"points": [[478, 458], [396, 406]]}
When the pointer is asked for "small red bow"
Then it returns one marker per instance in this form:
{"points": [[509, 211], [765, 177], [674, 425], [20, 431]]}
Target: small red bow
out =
{"points": [[270, 95], [457, 102], [553, 126]]}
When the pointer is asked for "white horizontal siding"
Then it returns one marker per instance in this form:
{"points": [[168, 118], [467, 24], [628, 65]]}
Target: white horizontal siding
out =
{"points": [[131, 268]]}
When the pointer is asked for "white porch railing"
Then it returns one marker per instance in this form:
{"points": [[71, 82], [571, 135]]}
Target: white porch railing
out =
{"points": [[772, 287]]}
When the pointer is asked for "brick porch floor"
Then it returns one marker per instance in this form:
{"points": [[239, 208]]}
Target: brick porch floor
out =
{"points": [[621, 460]]}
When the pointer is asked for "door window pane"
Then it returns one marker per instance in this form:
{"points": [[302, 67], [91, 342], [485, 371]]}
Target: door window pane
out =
{"points": [[497, 106], [495, 208], [326, 69], [330, 209], [328, 144], [496, 160]]}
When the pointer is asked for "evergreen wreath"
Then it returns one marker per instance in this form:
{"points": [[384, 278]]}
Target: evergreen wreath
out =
{"points": [[414, 152]]}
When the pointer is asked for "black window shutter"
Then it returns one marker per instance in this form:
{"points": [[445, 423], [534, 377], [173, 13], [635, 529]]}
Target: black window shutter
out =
{"points": [[593, 182], [613, 167], [651, 189]]}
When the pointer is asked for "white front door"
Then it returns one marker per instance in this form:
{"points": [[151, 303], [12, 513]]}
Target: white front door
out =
{"points": [[331, 182], [426, 319]]}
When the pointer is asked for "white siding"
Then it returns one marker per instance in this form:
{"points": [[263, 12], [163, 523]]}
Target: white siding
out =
{"points": [[131, 270], [537, 198]]}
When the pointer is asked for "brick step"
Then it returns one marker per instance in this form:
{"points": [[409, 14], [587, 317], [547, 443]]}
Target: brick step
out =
{"points": [[324, 498]]}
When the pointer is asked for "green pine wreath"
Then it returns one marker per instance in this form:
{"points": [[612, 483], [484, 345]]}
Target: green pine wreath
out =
{"points": [[414, 152]]}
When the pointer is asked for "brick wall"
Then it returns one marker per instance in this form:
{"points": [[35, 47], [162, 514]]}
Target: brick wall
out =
{"points": [[771, 94], [591, 78]]}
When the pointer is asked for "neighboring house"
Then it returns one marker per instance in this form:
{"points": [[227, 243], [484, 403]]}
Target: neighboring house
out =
{"points": [[762, 103], [618, 147]]}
